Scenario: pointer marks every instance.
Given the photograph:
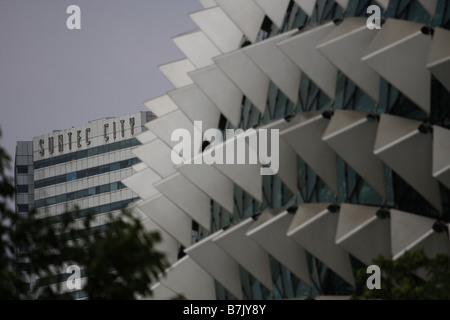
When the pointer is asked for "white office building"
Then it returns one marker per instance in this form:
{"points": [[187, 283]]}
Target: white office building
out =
{"points": [[81, 166]]}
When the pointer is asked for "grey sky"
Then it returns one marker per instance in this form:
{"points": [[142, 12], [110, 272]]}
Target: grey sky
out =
{"points": [[55, 78]]}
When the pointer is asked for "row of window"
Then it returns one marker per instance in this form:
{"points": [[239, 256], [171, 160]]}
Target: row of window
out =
{"points": [[85, 173], [95, 210], [23, 208], [22, 169], [79, 194], [79, 233], [79, 294], [86, 153], [22, 188]]}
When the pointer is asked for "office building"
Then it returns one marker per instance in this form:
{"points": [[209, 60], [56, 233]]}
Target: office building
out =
{"points": [[82, 166]]}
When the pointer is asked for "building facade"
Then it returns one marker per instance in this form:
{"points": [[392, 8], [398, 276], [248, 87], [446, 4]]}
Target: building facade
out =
{"points": [[81, 166], [362, 111]]}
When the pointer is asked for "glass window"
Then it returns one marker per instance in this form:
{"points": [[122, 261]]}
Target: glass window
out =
{"points": [[104, 188], [22, 169], [135, 142], [70, 196], [102, 149], [61, 198], [82, 154], [39, 203], [105, 208], [124, 164], [86, 153], [23, 207], [22, 188], [93, 171], [115, 166], [116, 206], [91, 191], [81, 174], [104, 168], [114, 186], [49, 201], [83, 193], [71, 176]]}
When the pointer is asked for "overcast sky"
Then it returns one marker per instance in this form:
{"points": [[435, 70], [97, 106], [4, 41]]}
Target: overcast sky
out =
{"points": [[54, 78]]}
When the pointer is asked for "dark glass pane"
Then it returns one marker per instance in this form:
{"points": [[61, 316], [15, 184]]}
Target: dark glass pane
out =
{"points": [[22, 188], [22, 169], [23, 207], [71, 176]]}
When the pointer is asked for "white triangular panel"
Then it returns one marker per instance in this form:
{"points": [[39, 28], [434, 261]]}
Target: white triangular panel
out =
{"points": [[246, 175], [177, 72], [304, 135], [301, 49], [247, 76], [314, 228], [187, 197], [156, 155], [221, 90], [211, 181], [284, 73], [352, 137], [176, 121], [188, 279], [410, 232], [287, 158], [161, 105], [217, 263], [362, 234], [246, 252], [139, 167], [197, 47], [219, 28], [161, 292], [270, 233], [168, 244], [441, 155], [141, 183], [345, 46], [408, 152], [307, 6], [146, 137], [275, 10], [196, 105], [439, 56], [169, 217], [246, 14], [407, 72]]}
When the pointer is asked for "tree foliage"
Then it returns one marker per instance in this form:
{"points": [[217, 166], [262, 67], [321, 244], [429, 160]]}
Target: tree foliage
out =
{"points": [[119, 259], [401, 280]]}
